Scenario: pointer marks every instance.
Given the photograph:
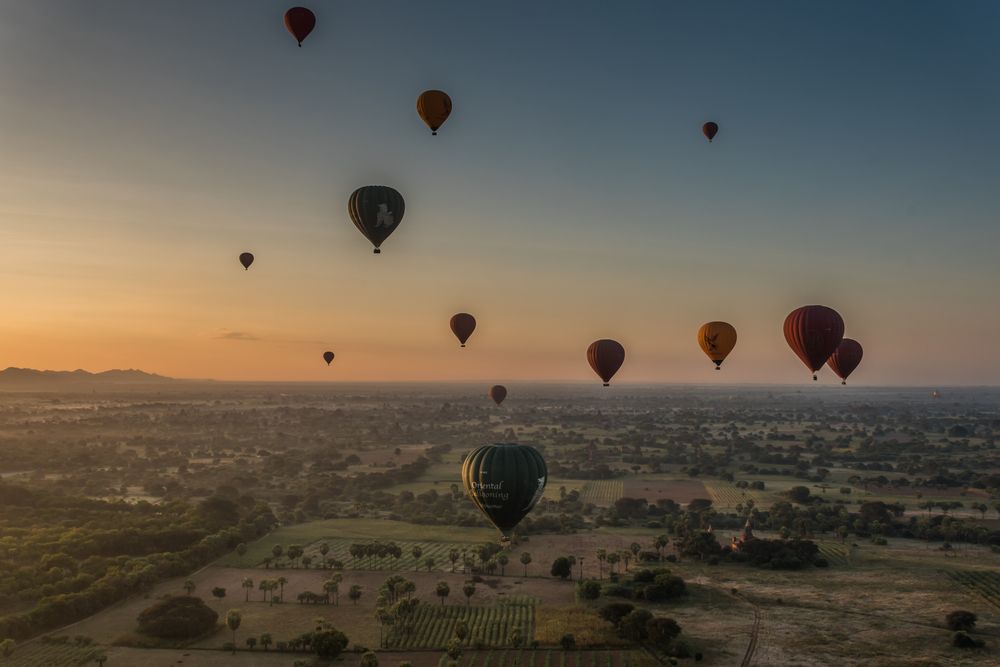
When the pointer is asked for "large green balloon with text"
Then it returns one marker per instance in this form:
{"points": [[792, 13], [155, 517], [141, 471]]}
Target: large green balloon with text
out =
{"points": [[504, 481]]}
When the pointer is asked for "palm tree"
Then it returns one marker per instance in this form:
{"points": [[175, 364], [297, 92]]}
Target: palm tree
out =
{"points": [[248, 585], [233, 620], [602, 556], [635, 548], [417, 553], [189, 587], [442, 590], [525, 560], [100, 659], [281, 588], [354, 593], [612, 558], [659, 544], [453, 555], [251, 642], [264, 586], [502, 561], [469, 589], [331, 587], [272, 586], [429, 562], [277, 551], [324, 549], [265, 640]]}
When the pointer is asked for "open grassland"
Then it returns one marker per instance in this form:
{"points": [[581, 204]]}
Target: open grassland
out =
{"points": [[352, 530], [583, 623], [985, 583], [602, 491], [488, 626]]}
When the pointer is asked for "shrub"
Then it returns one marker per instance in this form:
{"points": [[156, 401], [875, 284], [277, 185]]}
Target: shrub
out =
{"points": [[329, 644], [568, 642], [617, 591], [590, 589], [961, 620], [181, 617], [614, 612], [962, 640]]}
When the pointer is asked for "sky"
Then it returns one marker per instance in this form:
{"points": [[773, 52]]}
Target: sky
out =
{"points": [[570, 197]]}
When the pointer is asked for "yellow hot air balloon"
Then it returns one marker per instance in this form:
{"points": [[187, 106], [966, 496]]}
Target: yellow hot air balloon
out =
{"points": [[717, 340]]}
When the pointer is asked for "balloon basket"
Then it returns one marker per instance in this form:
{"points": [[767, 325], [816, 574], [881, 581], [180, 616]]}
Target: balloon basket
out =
{"points": [[376, 251]]}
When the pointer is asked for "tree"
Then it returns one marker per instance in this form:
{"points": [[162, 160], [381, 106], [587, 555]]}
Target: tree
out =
{"points": [[568, 642], [798, 494], [329, 643], [324, 549], [525, 561], [233, 620], [219, 592], [613, 558], [602, 556], [590, 589], [454, 648], [461, 630], [264, 586], [369, 659], [251, 642], [502, 561], [248, 586], [614, 612], [634, 626], [100, 659], [181, 617], [281, 581], [354, 593], [294, 553], [7, 648], [469, 589], [660, 544], [189, 586], [516, 638], [417, 552], [277, 551], [332, 587], [241, 549], [429, 563], [265, 640], [442, 590], [453, 556], [961, 620], [561, 568], [662, 631]]}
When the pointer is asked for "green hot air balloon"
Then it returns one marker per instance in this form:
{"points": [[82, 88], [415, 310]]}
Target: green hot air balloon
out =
{"points": [[504, 481]]}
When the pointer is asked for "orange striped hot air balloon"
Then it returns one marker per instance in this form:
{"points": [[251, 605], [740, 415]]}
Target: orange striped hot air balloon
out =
{"points": [[606, 357]]}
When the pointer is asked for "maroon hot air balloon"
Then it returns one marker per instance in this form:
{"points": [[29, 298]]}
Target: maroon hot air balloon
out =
{"points": [[710, 129], [246, 259], [498, 392], [300, 22], [845, 358], [462, 325], [813, 333], [328, 357], [606, 357]]}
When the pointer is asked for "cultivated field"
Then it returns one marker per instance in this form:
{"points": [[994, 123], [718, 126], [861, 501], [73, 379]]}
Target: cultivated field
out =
{"points": [[681, 491], [602, 492], [488, 626]]}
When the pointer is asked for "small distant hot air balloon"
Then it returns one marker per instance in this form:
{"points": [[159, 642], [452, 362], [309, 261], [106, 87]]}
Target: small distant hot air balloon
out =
{"points": [[606, 357], [504, 481], [717, 340], [935, 394], [845, 358], [376, 211], [246, 259], [328, 357], [498, 392], [434, 107], [813, 333], [710, 129], [462, 325], [300, 22]]}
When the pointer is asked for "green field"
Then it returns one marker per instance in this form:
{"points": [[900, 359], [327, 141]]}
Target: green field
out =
{"points": [[436, 550], [727, 495], [354, 530], [602, 492], [488, 626], [835, 553]]}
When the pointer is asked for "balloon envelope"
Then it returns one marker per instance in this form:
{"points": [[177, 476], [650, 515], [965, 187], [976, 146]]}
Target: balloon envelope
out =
{"points": [[300, 22], [845, 358], [462, 325], [710, 129], [717, 340], [813, 333], [606, 357], [246, 259], [434, 107], [504, 481], [328, 357], [498, 392], [376, 211]]}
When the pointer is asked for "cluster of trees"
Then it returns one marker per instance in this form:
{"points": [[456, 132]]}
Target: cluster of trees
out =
{"points": [[72, 557], [640, 625]]}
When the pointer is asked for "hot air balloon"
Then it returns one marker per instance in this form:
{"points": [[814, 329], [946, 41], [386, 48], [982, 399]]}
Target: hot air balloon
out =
{"points": [[376, 211], [710, 129], [845, 358], [462, 325], [498, 392], [300, 22], [328, 357], [246, 259], [717, 340], [434, 107], [606, 357], [935, 394], [813, 333], [504, 481]]}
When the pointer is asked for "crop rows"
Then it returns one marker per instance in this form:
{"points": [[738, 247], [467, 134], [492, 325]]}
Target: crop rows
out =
{"points": [[983, 583], [602, 491], [434, 625], [436, 550], [725, 494], [835, 554], [49, 653], [547, 658]]}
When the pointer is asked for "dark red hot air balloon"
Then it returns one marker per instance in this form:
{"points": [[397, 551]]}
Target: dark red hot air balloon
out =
{"points": [[813, 333], [845, 358], [328, 357], [606, 357], [498, 392], [462, 325], [300, 22], [710, 129], [246, 259]]}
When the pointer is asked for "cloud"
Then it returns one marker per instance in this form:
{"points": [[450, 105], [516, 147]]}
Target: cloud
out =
{"points": [[226, 334]]}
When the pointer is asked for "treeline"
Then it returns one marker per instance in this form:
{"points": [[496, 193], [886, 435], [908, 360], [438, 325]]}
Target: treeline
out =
{"points": [[74, 557]]}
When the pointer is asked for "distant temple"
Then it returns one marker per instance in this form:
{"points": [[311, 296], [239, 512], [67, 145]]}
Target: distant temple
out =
{"points": [[744, 537]]}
